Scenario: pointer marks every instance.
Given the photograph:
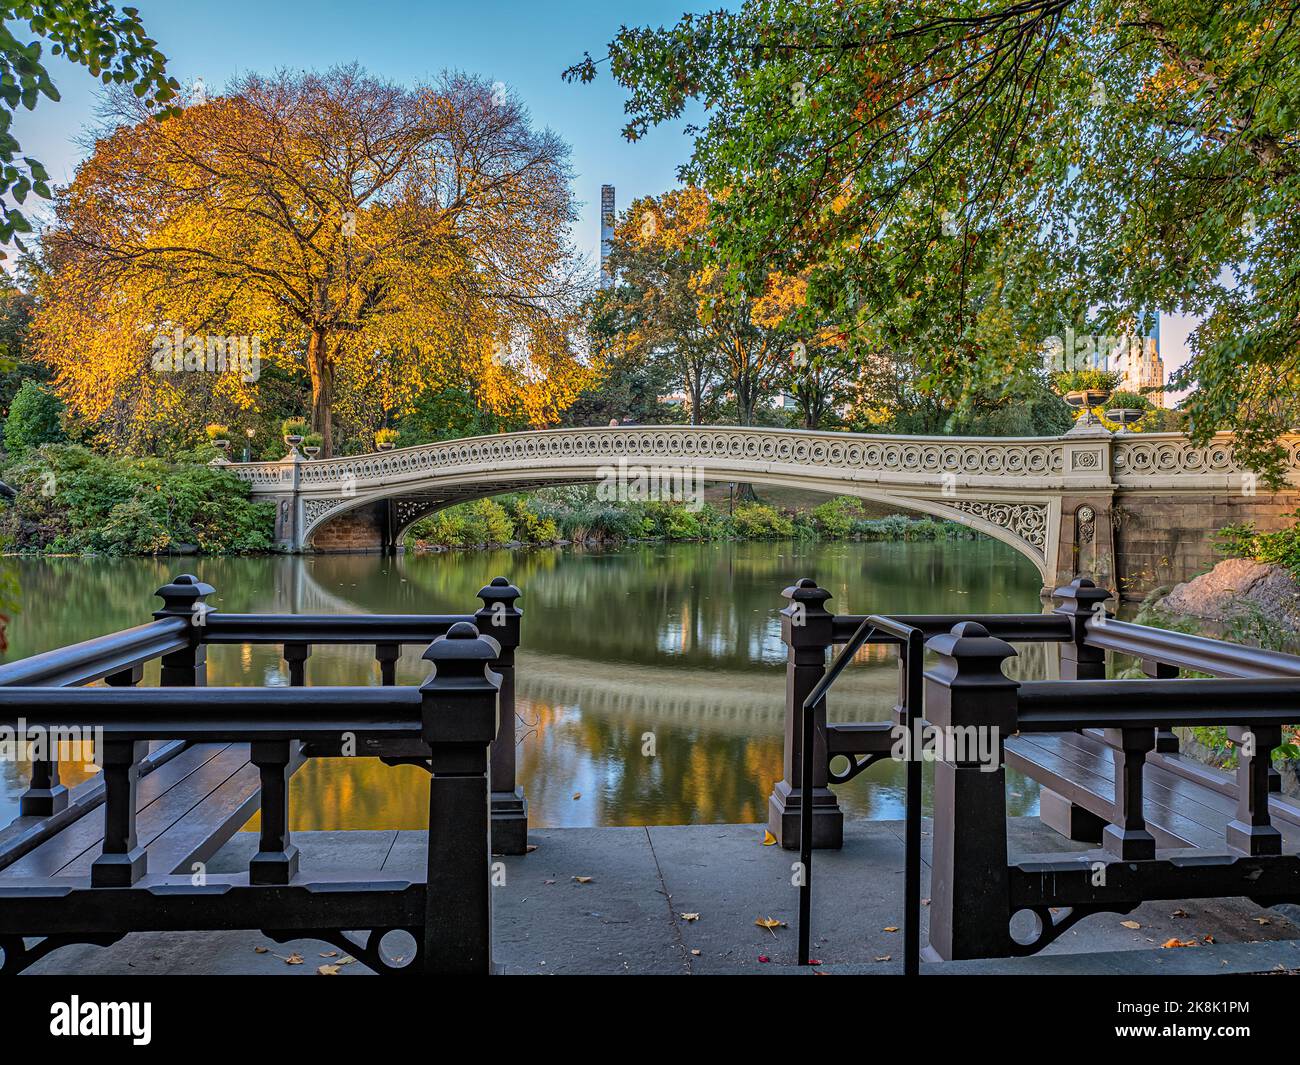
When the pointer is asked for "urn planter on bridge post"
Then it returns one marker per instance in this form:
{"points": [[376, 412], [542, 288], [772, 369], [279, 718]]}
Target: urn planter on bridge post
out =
{"points": [[807, 633]]}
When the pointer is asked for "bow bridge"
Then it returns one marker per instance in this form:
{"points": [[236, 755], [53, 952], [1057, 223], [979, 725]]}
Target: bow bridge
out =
{"points": [[1135, 510]]}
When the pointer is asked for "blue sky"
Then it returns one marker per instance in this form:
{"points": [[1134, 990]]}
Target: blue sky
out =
{"points": [[524, 44]]}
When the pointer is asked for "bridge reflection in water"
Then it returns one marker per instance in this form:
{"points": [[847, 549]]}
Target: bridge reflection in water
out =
{"points": [[681, 641]]}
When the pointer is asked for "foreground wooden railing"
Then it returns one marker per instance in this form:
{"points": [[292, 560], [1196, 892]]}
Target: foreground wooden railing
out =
{"points": [[446, 725], [186, 625], [975, 891]]}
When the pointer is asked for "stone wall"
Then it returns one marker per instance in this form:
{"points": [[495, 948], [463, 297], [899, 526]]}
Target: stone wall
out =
{"points": [[354, 530], [1166, 538]]}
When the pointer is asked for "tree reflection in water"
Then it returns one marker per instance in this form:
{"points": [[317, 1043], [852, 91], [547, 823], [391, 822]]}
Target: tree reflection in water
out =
{"points": [[677, 645]]}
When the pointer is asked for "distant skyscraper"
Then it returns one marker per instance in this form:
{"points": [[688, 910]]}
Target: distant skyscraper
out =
{"points": [[606, 233], [1137, 358]]}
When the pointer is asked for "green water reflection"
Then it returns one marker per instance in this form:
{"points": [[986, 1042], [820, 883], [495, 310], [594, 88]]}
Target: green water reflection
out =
{"points": [[679, 641]]}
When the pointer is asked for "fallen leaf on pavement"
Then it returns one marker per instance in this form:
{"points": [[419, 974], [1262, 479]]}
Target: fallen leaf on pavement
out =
{"points": [[690, 917], [583, 879], [1130, 924], [890, 928], [770, 923], [327, 970], [768, 839], [1168, 944], [885, 957]]}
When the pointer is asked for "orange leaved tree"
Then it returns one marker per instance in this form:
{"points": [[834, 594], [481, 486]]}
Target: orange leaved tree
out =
{"points": [[384, 239]]}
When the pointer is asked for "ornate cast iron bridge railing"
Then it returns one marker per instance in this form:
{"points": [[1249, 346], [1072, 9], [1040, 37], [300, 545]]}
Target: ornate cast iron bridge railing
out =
{"points": [[1013, 489], [448, 726], [975, 890]]}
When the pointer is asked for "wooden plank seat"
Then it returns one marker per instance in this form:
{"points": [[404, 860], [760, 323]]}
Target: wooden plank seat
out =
{"points": [[188, 808], [1185, 805]]}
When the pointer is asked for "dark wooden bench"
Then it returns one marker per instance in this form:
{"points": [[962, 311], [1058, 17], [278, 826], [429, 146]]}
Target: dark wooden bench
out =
{"points": [[1186, 804]]}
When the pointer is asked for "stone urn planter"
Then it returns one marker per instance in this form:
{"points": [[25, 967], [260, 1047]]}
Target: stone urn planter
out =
{"points": [[1085, 399], [292, 441], [387, 445], [311, 451], [1125, 415]]}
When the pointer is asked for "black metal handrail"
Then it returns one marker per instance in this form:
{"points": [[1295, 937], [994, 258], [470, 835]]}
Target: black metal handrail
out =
{"points": [[810, 704], [912, 687], [911, 641], [447, 725]]}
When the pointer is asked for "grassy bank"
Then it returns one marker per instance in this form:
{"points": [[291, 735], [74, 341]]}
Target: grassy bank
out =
{"points": [[577, 515]]}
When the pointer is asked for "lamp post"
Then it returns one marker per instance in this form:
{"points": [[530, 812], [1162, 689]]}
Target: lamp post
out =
{"points": [[248, 447]]}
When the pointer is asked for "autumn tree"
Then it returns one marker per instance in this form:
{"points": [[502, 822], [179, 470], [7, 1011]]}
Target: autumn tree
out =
{"points": [[386, 240], [652, 312], [673, 301], [974, 177]]}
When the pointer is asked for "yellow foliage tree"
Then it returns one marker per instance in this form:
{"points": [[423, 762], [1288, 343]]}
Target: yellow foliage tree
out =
{"points": [[384, 240]]}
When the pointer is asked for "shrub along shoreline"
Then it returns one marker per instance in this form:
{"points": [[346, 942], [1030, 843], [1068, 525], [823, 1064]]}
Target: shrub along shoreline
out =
{"points": [[73, 501], [576, 515]]}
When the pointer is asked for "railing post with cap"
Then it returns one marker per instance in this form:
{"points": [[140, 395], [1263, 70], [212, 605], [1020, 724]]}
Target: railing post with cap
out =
{"points": [[1080, 602], [968, 698], [500, 619], [459, 710], [185, 598], [806, 629]]}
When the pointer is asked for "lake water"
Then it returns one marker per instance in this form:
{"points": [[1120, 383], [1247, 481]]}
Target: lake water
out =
{"points": [[679, 640]]}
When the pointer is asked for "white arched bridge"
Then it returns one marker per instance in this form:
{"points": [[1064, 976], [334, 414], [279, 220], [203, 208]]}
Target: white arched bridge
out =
{"points": [[1134, 509]]}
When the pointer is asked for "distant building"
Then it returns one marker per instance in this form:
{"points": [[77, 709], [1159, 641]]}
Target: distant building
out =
{"points": [[1137, 360], [606, 233], [1134, 356]]}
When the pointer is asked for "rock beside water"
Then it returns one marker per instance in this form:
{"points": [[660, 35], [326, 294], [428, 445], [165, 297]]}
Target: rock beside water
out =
{"points": [[1238, 588]]}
